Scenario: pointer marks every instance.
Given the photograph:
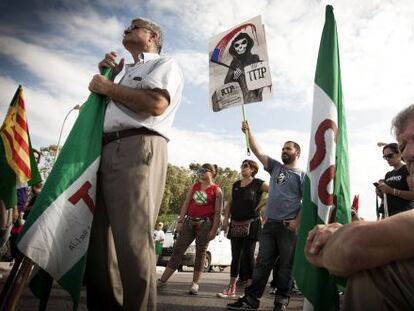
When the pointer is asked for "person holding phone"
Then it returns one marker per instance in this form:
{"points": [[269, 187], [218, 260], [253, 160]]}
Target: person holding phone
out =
{"points": [[397, 184], [242, 218]]}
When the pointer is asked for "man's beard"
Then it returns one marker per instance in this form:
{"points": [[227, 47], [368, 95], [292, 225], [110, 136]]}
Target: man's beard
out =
{"points": [[288, 158]]}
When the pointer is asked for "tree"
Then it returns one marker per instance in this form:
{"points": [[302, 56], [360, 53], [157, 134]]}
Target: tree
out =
{"points": [[226, 178], [179, 180]]}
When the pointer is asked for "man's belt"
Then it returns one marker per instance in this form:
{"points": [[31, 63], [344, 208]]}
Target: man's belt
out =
{"points": [[282, 221], [197, 219], [108, 137]]}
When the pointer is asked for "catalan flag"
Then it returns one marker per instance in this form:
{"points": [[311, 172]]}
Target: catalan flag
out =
{"points": [[17, 165]]}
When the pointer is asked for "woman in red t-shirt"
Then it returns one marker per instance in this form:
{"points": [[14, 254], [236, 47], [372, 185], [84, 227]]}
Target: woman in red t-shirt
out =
{"points": [[199, 220]]}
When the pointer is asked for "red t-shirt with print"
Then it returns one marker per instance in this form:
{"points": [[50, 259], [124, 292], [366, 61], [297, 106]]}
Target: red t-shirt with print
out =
{"points": [[202, 203]]}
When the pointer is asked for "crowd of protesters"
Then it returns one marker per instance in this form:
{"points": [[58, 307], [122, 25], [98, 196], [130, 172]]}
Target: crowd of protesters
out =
{"points": [[276, 231], [138, 117]]}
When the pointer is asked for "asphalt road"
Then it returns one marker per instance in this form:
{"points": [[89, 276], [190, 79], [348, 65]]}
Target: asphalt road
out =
{"points": [[173, 298]]}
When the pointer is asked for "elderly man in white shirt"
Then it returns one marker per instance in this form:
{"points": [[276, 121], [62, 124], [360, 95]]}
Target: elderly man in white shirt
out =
{"points": [[120, 270]]}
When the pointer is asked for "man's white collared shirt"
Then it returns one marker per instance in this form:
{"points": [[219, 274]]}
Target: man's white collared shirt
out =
{"points": [[153, 71]]}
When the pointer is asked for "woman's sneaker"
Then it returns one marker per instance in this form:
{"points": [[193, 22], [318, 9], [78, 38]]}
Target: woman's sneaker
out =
{"points": [[193, 289], [229, 292]]}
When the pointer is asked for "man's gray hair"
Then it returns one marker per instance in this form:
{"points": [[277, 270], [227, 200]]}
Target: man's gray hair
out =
{"points": [[153, 27], [399, 123]]}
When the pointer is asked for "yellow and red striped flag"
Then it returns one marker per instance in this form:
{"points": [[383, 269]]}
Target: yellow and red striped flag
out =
{"points": [[15, 136], [17, 163]]}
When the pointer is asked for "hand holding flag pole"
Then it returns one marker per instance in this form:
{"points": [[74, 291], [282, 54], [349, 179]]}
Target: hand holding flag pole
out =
{"points": [[90, 125], [246, 133]]}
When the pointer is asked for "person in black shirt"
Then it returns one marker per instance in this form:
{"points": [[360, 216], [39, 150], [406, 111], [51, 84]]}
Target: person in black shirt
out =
{"points": [[397, 184], [245, 225]]}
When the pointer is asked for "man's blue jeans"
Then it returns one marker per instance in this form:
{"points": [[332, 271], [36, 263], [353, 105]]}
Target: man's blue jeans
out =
{"points": [[276, 241]]}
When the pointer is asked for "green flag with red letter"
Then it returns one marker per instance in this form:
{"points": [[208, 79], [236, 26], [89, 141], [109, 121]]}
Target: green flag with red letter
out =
{"points": [[326, 189], [56, 233]]}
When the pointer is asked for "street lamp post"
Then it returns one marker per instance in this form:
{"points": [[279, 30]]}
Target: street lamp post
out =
{"points": [[77, 107]]}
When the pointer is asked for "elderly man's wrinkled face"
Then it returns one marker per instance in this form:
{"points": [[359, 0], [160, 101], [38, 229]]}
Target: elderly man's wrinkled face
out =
{"points": [[406, 142]]}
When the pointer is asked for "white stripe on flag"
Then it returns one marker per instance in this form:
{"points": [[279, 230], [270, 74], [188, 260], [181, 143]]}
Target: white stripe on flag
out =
{"points": [[307, 305], [324, 108], [60, 236]]}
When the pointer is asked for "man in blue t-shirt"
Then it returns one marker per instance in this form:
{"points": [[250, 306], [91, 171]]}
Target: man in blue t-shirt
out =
{"points": [[279, 231]]}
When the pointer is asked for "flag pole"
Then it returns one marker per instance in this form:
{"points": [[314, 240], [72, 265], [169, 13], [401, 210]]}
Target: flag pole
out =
{"points": [[377, 206], [386, 214], [20, 283], [9, 285], [15, 283], [246, 134]]}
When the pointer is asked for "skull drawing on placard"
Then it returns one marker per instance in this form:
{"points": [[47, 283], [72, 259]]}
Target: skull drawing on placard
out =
{"points": [[241, 51], [240, 46]]}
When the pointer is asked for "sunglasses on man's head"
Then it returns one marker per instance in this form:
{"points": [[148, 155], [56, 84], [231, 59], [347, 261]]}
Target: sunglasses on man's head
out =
{"points": [[388, 156], [245, 165]]}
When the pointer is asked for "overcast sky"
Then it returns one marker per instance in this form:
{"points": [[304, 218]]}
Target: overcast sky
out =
{"points": [[52, 48]]}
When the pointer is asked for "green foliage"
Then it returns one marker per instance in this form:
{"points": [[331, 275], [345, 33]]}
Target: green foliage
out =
{"points": [[179, 180], [226, 178]]}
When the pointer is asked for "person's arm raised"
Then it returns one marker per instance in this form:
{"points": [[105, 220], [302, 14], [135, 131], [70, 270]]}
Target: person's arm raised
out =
{"points": [[257, 150]]}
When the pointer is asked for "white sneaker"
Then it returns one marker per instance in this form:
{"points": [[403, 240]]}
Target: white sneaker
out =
{"points": [[161, 284], [193, 289]]}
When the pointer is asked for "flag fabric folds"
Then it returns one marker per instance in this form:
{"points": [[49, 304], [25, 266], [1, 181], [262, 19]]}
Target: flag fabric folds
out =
{"points": [[326, 188], [17, 164], [56, 233]]}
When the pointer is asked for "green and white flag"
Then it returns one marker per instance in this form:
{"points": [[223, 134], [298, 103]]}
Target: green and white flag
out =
{"points": [[326, 189], [56, 234]]}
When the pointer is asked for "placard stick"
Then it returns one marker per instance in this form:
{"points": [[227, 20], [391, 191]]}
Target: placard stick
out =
{"points": [[246, 133]]}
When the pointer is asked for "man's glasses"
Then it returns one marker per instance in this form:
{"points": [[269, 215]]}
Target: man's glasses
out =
{"points": [[244, 165], [388, 156], [133, 27]]}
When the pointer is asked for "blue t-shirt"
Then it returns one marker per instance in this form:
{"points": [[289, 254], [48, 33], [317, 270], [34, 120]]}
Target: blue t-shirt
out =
{"points": [[285, 191]]}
